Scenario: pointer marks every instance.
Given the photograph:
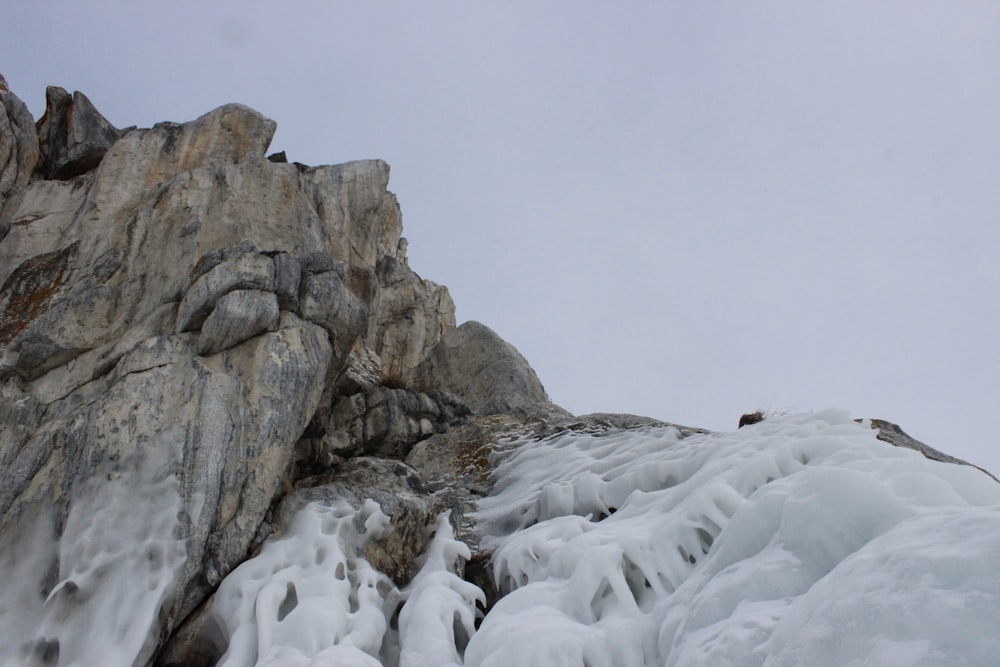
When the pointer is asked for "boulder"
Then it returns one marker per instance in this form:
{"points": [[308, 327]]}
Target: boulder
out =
{"points": [[73, 136], [488, 372]]}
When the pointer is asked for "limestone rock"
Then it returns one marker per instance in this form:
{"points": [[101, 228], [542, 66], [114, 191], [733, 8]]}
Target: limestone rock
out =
{"points": [[287, 275], [223, 432], [346, 194], [238, 316], [387, 422], [411, 315], [187, 333], [325, 300], [475, 363], [18, 146], [42, 219], [73, 136], [248, 271]]}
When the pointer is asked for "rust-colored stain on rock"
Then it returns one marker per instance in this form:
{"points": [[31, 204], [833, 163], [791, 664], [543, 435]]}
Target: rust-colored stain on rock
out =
{"points": [[28, 290]]}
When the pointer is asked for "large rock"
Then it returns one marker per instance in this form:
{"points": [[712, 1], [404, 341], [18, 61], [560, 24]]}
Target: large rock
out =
{"points": [[73, 136], [411, 315], [475, 363], [238, 316], [171, 323], [18, 147], [386, 422], [189, 332]]}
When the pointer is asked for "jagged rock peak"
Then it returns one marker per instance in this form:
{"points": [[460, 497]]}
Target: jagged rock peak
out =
{"points": [[73, 136]]}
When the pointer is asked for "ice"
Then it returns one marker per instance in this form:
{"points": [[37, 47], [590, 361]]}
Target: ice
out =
{"points": [[311, 598], [799, 540], [116, 565]]}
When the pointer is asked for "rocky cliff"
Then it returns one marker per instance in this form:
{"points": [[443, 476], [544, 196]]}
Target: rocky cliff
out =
{"points": [[204, 349], [186, 323]]}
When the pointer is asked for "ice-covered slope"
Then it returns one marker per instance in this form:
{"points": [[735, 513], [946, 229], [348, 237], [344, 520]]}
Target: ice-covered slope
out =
{"points": [[801, 540]]}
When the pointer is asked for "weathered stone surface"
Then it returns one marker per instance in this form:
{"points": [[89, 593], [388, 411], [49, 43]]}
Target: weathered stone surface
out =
{"points": [[287, 274], [73, 136], [255, 399], [231, 134], [894, 435], [41, 219], [190, 331], [238, 316], [475, 363], [18, 145], [325, 300], [345, 194], [411, 315], [387, 422], [245, 272]]}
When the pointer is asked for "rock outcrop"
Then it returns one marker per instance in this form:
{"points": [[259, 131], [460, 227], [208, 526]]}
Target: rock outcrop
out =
{"points": [[72, 135], [205, 351], [191, 331]]}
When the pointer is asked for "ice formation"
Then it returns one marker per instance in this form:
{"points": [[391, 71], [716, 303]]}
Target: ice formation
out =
{"points": [[311, 598], [116, 564], [799, 540]]}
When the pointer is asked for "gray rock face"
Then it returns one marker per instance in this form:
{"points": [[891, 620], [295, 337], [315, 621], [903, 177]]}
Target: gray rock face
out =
{"points": [[194, 341], [475, 363], [411, 315], [73, 136], [18, 145], [325, 299], [387, 422], [238, 316], [249, 271], [894, 435]]}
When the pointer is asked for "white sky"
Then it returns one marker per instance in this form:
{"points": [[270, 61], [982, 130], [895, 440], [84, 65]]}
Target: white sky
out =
{"points": [[688, 210]]}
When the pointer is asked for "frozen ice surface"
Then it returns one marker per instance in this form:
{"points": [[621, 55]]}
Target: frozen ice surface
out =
{"points": [[312, 599], [116, 564], [801, 540]]}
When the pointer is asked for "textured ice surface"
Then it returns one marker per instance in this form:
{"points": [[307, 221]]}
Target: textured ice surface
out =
{"points": [[311, 598], [801, 540], [116, 564]]}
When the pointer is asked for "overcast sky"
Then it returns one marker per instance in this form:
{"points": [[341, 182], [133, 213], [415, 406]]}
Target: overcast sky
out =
{"points": [[687, 210]]}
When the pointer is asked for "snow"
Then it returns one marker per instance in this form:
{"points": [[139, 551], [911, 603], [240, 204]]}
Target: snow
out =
{"points": [[799, 540]]}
